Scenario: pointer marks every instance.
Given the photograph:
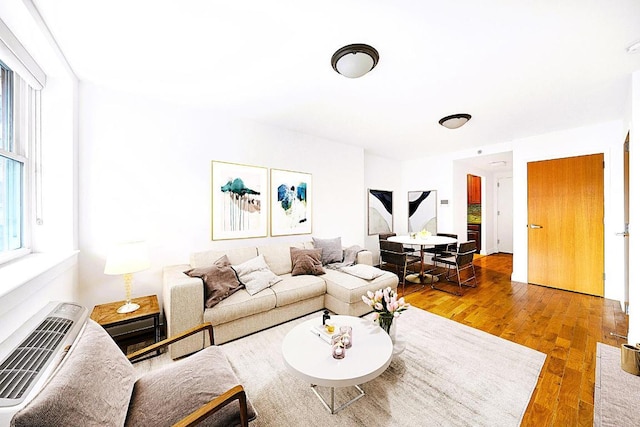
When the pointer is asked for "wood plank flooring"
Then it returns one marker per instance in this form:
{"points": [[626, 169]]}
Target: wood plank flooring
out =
{"points": [[564, 325]]}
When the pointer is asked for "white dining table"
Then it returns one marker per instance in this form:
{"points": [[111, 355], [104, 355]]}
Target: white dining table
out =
{"points": [[424, 241]]}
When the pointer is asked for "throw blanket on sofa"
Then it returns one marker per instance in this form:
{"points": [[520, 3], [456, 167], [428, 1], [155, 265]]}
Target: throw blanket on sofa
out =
{"points": [[349, 266]]}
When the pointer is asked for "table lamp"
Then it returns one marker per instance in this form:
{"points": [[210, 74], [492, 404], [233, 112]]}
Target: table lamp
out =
{"points": [[127, 258]]}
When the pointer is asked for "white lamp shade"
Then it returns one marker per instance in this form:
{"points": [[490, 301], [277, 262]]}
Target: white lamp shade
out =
{"points": [[129, 257], [354, 65]]}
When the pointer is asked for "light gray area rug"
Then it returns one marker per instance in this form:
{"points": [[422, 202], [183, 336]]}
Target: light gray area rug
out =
{"points": [[448, 375], [617, 392]]}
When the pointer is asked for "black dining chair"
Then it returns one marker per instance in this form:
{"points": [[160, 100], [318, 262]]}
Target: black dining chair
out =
{"points": [[439, 250], [461, 260], [385, 236], [393, 253]]}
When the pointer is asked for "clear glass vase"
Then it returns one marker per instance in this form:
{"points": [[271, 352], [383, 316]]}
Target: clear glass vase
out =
{"points": [[385, 321]]}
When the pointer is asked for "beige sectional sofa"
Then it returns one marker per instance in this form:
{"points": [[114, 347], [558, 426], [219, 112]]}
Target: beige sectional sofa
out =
{"points": [[241, 314]]}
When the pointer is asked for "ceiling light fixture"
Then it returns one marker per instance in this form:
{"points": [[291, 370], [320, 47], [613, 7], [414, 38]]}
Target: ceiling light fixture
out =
{"points": [[498, 163], [354, 60], [455, 121]]}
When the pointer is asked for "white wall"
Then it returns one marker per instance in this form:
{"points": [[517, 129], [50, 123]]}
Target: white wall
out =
{"points": [[384, 174], [145, 172], [428, 174], [28, 284], [55, 281]]}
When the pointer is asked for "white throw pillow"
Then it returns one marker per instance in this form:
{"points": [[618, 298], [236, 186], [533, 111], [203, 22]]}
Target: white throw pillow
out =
{"points": [[363, 271], [255, 275]]}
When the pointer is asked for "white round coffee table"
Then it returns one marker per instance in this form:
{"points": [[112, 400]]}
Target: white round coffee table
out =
{"points": [[309, 357]]}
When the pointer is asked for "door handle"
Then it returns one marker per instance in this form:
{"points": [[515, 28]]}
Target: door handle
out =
{"points": [[534, 226], [624, 233]]}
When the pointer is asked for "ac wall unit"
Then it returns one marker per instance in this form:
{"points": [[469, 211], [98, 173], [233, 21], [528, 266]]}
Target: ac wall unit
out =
{"points": [[30, 355]]}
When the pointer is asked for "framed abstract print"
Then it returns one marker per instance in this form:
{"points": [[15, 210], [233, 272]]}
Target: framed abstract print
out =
{"points": [[380, 212], [239, 201], [290, 202], [423, 211]]}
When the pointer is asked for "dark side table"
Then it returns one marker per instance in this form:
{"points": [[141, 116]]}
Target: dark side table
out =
{"points": [[107, 316]]}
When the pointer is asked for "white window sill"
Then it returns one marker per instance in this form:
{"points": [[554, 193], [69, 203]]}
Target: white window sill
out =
{"points": [[25, 275]]}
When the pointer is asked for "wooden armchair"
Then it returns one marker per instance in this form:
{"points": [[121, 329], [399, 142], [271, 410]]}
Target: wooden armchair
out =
{"points": [[96, 385], [234, 393]]}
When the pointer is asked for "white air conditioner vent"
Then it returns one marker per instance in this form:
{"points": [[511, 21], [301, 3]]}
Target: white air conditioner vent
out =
{"points": [[19, 370], [22, 368]]}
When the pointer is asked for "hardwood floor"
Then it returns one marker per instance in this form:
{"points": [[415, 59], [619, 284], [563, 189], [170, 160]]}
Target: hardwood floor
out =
{"points": [[564, 325]]}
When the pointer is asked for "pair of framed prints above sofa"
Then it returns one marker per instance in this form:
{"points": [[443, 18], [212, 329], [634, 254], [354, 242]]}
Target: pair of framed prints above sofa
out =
{"points": [[241, 206]]}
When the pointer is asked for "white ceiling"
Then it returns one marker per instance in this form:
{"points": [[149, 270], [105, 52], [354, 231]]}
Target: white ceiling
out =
{"points": [[520, 68]]}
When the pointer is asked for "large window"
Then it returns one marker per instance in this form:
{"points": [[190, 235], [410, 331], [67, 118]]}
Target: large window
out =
{"points": [[17, 101]]}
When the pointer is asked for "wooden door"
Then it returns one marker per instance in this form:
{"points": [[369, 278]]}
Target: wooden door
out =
{"points": [[566, 223]]}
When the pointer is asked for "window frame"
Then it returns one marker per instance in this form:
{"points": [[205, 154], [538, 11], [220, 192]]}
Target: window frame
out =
{"points": [[22, 115]]}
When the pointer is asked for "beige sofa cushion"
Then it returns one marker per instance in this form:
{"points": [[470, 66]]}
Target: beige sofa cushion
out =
{"points": [[278, 257], [164, 396], [92, 386], [293, 289], [350, 289], [240, 305], [236, 256]]}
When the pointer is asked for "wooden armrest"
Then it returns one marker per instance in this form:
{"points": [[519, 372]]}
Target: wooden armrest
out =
{"points": [[235, 393], [166, 342]]}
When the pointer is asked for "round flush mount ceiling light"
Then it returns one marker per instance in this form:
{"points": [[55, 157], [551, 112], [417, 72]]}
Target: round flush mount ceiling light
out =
{"points": [[354, 60], [455, 121]]}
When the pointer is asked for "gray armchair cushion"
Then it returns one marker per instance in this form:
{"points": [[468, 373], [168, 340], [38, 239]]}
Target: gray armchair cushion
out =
{"points": [[164, 396], [91, 387]]}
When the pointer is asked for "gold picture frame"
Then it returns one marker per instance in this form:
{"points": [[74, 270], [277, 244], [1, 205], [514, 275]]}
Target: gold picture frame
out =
{"points": [[239, 201], [291, 207]]}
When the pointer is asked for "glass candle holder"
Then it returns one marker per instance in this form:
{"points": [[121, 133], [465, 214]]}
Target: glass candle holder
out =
{"points": [[337, 348], [347, 336]]}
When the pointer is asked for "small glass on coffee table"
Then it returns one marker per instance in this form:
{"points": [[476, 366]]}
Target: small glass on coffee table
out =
{"points": [[308, 356]]}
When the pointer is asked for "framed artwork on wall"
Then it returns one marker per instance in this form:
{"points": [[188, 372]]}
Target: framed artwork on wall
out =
{"points": [[290, 202], [239, 201], [423, 211], [380, 212]]}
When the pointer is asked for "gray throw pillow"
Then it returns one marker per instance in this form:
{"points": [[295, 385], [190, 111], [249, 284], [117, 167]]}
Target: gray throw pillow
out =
{"points": [[91, 387], [306, 261], [331, 249], [220, 280]]}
